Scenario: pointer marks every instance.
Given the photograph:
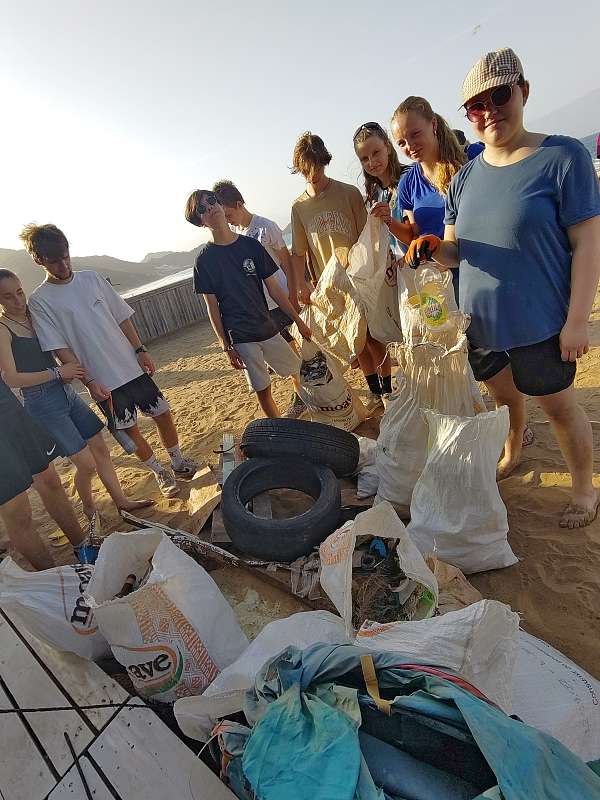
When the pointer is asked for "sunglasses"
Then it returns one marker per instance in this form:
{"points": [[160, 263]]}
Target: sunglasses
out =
{"points": [[497, 98], [369, 126], [211, 199]]}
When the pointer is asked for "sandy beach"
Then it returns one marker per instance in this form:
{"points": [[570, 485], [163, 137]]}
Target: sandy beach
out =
{"points": [[556, 585]]}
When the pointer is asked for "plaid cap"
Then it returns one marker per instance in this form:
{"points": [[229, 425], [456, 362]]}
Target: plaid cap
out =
{"points": [[493, 69]]}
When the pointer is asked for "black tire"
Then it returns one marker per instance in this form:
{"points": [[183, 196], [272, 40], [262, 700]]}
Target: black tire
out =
{"points": [[280, 539], [320, 444]]}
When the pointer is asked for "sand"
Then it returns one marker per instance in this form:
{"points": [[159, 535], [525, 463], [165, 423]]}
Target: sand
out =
{"points": [[556, 585]]}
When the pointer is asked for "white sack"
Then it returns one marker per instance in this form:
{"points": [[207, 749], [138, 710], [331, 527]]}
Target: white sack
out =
{"points": [[367, 483], [374, 277], [480, 642], [431, 376], [174, 634], [197, 715], [367, 452], [336, 559], [50, 604], [327, 396], [553, 694], [412, 320], [456, 509], [335, 315]]}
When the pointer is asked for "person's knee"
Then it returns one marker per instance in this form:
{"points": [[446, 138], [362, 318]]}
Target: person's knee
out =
{"points": [[85, 464], [17, 513], [48, 479], [560, 408]]}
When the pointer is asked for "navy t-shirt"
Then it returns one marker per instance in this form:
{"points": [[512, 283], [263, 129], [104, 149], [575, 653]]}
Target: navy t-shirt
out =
{"points": [[234, 273], [511, 227]]}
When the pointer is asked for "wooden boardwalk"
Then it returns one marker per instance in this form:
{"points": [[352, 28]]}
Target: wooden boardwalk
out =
{"points": [[124, 750]]}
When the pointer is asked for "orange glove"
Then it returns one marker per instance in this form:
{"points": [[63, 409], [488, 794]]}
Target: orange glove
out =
{"points": [[421, 250]]}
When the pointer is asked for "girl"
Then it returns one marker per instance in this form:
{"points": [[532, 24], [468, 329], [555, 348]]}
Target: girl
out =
{"points": [[50, 399], [523, 221], [381, 171]]}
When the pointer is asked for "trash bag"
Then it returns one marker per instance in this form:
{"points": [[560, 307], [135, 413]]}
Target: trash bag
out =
{"points": [[51, 605], [456, 509], [176, 632], [480, 642], [413, 320], [327, 396], [373, 275], [336, 315], [337, 551], [197, 716], [431, 376]]}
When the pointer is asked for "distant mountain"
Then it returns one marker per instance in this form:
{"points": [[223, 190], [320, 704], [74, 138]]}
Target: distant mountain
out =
{"points": [[123, 275], [577, 118], [591, 143]]}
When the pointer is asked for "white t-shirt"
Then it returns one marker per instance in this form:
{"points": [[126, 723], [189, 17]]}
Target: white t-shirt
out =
{"points": [[269, 234], [84, 315]]}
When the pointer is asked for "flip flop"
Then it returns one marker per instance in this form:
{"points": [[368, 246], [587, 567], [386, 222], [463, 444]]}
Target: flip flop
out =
{"points": [[55, 535], [61, 542], [576, 516], [528, 437]]}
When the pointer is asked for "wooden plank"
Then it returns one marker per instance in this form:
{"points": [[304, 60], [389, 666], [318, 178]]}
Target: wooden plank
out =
{"points": [[143, 759], [71, 788], [24, 775], [261, 506], [218, 534], [229, 456]]}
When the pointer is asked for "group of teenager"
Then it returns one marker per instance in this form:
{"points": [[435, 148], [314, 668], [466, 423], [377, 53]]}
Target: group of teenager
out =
{"points": [[515, 216]]}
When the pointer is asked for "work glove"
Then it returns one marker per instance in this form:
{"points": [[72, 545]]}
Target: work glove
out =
{"points": [[421, 250]]}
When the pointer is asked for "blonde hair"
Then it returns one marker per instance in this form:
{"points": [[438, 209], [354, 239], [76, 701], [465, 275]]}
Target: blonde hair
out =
{"points": [[451, 156], [372, 184]]}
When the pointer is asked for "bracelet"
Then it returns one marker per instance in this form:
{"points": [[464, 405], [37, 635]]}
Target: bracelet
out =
{"points": [[140, 349], [87, 383], [56, 374]]}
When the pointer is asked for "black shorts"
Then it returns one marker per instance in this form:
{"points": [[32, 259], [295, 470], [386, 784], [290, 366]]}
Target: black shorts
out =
{"points": [[282, 323], [140, 393], [537, 369], [26, 449]]}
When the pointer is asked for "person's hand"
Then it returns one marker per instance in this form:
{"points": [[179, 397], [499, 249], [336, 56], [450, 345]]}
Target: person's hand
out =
{"points": [[421, 250], [304, 330], [146, 363], [98, 391], [305, 292], [383, 212], [574, 340], [234, 358], [69, 372]]}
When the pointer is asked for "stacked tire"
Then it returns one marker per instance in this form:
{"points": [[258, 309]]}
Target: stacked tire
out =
{"points": [[287, 454]]}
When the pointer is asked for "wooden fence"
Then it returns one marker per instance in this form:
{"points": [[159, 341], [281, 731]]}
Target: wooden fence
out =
{"points": [[164, 307]]}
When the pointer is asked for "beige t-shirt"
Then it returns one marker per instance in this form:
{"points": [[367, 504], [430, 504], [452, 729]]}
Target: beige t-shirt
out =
{"points": [[327, 224]]}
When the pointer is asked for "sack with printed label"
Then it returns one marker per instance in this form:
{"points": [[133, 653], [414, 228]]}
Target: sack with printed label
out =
{"points": [[420, 319], [337, 551], [175, 633], [336, 315], [456, 509], [373, 275], [50, 605], [325, 393]]}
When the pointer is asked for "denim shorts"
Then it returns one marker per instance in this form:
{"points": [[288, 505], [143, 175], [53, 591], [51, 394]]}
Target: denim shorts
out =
{"points": [[60, 410]]}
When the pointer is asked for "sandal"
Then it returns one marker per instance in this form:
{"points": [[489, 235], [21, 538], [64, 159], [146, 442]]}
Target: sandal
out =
{"points": [[528, 436]]}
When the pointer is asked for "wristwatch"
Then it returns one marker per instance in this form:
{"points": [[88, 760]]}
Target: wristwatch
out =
{"points": [[141, 349]]}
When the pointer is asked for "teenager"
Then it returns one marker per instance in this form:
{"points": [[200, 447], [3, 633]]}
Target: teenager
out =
{"points": [[229, 273], [270, 235], [49, 397], [381, 172], [80, 317], [327, 219], [523, 221], [470, 149], [26, 455]]}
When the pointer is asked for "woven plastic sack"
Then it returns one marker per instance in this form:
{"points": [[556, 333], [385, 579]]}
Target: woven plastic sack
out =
{"points": [[175, 633], [373, 276], [456, 509]]}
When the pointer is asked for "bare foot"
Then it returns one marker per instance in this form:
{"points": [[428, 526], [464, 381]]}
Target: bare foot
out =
{"points": [[581, 511], [506, 466], [133, 505]]}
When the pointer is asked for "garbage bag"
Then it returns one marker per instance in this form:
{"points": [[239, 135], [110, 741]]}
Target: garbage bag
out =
{"points": [[456, 508], [175, 633]]}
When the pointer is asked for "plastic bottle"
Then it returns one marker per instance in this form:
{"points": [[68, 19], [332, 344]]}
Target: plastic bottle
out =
{"points": [[434, 298]]}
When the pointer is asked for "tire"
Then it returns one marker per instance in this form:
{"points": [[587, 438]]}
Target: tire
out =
{"points": [[280, 539], [320, 444]]}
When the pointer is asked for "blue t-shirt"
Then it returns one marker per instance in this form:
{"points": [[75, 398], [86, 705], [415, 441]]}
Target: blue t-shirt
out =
{"points": [[474, 149], [417, 194], [511, 227]]}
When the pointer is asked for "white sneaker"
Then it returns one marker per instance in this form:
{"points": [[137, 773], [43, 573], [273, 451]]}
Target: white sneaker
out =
{"points": [[167, 483], [295, 409], [185, 468]]}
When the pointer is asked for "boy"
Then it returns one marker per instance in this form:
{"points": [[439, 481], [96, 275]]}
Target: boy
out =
{"points": [[81, 317], [327, 220], [269, 234], [229, 273]]}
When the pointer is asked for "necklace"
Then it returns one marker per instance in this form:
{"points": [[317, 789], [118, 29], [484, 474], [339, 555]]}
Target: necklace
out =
{"points": [[26, 325]]}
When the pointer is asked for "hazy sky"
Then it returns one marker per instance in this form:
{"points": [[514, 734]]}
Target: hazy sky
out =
{"points": [[114, 111]]}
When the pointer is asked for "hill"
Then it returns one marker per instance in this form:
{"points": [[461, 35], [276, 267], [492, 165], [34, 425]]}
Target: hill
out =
{"points": [[576, 118]]}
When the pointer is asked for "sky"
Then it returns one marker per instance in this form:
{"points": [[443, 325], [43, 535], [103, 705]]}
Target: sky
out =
{"points": [[113, 112]]}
